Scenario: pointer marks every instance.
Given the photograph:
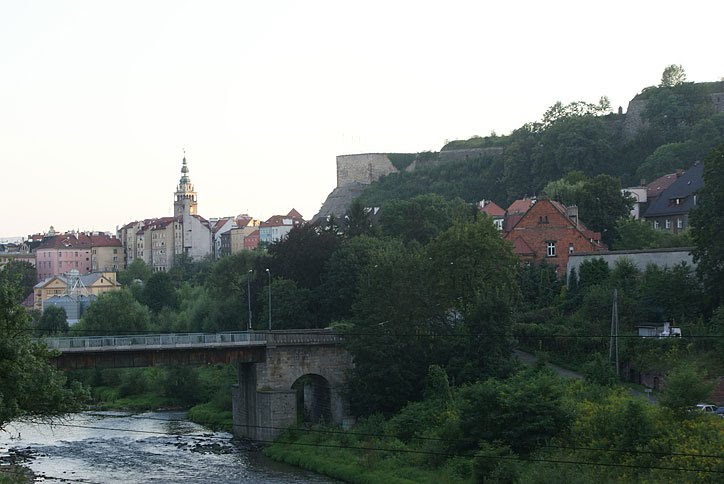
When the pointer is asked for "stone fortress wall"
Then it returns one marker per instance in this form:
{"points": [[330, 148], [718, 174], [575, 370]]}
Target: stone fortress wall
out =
{"points": [[366, 168], [633, 122]]}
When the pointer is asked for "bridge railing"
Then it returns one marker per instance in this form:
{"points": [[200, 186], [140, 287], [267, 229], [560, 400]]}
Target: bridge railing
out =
{"points": [[311, 337], [155, 340]]}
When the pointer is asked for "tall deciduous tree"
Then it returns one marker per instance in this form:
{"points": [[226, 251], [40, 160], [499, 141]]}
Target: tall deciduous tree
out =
{"points": [[707, 227], [421, 218], [159, 292], [115, 312], [29, 386], [21, 274], [53, 320]]}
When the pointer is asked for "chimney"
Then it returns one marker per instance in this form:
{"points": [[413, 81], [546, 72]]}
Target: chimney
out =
{"points": [[572, 213]]}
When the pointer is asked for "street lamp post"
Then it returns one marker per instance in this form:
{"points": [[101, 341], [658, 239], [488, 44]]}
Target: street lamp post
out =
{"points": [[270, 307], [248, 294]]}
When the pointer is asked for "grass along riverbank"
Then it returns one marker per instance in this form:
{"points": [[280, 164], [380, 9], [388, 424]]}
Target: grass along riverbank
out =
{"points": [[205, 391]]}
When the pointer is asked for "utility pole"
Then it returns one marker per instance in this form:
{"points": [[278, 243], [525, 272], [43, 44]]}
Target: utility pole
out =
{"points": [[248, 294], [269, 272], [613, 342]]}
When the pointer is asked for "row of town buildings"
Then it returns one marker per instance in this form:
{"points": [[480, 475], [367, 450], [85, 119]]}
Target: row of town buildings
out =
{"points": [[72, 268]]}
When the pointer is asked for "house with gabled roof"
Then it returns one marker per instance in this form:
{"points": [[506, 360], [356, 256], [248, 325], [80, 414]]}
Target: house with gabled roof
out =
{"points": [[516, 210], [670, 210], [278, 226], [492, 210], [73, 284], [549, 231]]}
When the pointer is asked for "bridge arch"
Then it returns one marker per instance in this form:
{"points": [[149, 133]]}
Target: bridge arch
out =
{"points": [[313, 398]]}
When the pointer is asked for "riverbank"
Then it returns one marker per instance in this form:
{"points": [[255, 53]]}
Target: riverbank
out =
{"points": [[203, 392], [153, 447]]}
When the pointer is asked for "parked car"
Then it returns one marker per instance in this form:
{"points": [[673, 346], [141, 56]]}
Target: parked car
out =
{"points": [[719, 411], [705, 407]]}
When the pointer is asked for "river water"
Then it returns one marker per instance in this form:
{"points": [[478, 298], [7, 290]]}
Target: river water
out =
{"points": [[104, 447]]}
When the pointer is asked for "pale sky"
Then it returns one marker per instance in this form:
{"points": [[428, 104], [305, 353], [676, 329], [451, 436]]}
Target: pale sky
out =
{"points": [[98, 98]]}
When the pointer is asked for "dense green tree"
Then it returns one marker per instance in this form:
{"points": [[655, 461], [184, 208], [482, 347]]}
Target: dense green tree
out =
{"points": [[421, 218], [672, 111], [302, 255], [670, 294], [186, 269], [53, 320], [518, 160], [577, 108], [583, 143], [592, 272], [391, 341], [521, 412], [685, 387], [347, 268], [707, 227], [21, 274], [136, 270], [290, 306], [539, 285], [469, 259], [115, 312], [30, 387], [358, 220], [637, 234], [601, 204], [228, 283], [159, 292]]}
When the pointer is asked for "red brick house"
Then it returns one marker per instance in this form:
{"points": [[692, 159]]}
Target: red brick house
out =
{"points": [[550, 231]]}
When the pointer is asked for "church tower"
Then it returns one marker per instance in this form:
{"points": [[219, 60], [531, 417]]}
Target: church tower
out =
{"points": [[185, 202]]}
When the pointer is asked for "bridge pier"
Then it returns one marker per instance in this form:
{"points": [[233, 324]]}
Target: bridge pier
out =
{"points": [[299, 377]]}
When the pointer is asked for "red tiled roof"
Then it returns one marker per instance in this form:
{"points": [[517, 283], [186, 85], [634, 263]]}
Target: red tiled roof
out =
{"points": [[66, 241], [657, 186], [520, 206], [491, 208], [294, 214], [104, 241], [243, 220], [220, 223], [278, 220]]}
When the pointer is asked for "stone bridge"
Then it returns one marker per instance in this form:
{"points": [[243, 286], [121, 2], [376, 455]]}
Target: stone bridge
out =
{"points": [[284, 377]]}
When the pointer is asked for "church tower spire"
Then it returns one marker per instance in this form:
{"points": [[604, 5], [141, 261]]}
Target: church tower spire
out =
{"points": [[185, 195]]}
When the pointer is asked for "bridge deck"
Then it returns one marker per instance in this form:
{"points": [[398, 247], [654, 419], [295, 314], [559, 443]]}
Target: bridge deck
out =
{"points": [[156, 342]]}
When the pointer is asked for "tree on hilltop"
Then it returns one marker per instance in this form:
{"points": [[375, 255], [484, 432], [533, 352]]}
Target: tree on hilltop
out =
{"points": [[672, 76]]}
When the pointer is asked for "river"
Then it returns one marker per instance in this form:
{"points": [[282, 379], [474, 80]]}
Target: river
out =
{"points": [[102, 447]]}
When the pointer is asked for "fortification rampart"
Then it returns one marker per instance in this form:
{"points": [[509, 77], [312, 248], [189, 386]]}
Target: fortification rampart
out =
{"points": [[369, 167], [363, 168]]}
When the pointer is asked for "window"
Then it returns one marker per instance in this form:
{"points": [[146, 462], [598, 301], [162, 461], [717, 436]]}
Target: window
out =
{"points": [[668, 224], [679, 223], [570, 248], [551, 248], [656, 224]]}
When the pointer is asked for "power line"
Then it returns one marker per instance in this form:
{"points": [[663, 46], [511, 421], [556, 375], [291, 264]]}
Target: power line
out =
{"points": [[434, 439], [422, 452]]}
